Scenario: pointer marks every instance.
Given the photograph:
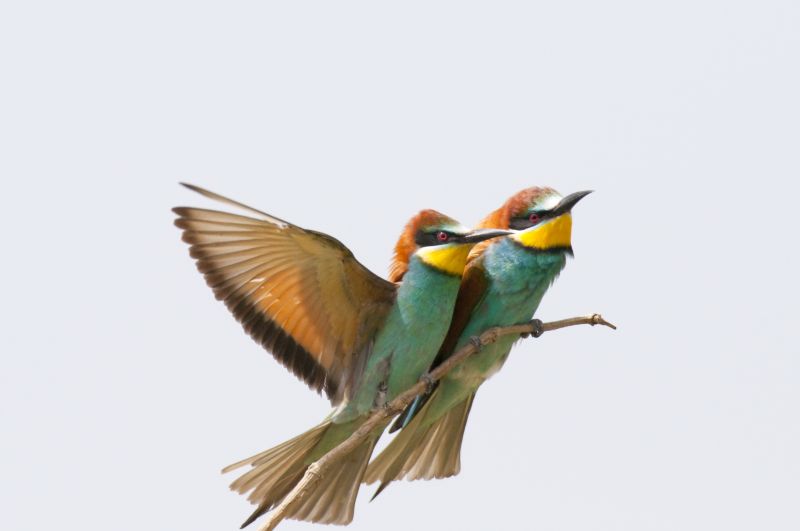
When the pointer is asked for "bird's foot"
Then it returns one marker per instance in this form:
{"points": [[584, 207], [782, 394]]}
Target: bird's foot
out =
{"points": [[476, 342], [380, 398], [538, 328], [426, 377]]}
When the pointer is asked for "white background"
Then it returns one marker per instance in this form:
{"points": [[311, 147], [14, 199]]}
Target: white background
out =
{"points": [[125, 387]]}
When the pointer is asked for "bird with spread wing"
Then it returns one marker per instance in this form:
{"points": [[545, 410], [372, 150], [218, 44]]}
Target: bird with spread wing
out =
{"points": [[343, 330]]}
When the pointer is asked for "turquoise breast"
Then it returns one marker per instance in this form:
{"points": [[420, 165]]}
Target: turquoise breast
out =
{"points": [[517, 280], [408, 343]]}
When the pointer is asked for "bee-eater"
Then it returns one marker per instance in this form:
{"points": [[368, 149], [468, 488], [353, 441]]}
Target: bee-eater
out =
{"points": [[503, 284], [336, 325]]}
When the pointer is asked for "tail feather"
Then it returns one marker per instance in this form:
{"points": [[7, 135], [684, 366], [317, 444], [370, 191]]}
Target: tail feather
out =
{"points": [[440, 454], [424, 449], [270, 454], [275, 472], [333, 500]]}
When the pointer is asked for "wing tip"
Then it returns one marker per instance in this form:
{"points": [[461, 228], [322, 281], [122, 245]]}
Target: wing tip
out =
{"points": [[193, 187], [216, 197], [181, 212]]}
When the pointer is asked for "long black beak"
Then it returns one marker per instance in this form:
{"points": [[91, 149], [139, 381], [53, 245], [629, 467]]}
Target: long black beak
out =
{"points": [[479, 235], [566, 204]]}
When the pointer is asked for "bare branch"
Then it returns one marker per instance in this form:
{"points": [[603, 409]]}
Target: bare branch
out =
{"points": [[317, 469]]}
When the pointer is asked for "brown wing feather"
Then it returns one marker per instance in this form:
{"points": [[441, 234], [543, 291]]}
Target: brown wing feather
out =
{"points": [[299, 293]]}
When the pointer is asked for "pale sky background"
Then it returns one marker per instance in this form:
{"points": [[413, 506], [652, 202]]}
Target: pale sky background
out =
{"points": [[125, 387]]}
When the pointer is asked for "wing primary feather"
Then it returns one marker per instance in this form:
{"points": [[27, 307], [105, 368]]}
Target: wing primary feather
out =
{"points": [[300, 294], [223, 199]]}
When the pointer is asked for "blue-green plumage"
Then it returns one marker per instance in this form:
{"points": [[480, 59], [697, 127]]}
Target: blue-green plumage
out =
{"points": [[345, 331], [396, 362], [402, 350], [502, 286], [517, 279]]}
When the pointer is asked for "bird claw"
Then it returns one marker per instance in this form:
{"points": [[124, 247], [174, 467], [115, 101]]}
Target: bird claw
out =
{"points": [[538, 328], [476, 342], [426, 377], [380, 398]]}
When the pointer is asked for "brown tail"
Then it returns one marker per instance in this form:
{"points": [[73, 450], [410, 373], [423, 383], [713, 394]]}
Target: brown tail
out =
{"points": [[276, 471], [333, 499], [423, 450]]}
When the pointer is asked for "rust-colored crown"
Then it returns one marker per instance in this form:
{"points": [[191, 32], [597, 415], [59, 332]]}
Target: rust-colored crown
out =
{"points": [[516, 205], [406, 246]]}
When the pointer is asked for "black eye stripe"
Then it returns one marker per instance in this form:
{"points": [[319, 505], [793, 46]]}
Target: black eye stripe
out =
{"points": [[424, 239], [519, 223], [524, 222]]}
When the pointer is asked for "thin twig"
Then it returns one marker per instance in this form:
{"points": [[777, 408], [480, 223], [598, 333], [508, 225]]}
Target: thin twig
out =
{"points": [[317, 469]]}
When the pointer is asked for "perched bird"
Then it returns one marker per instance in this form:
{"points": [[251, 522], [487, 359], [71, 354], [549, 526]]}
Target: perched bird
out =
{"points": [[337, 326], [503, 283]]}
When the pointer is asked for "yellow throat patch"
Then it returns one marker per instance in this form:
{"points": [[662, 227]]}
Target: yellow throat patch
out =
{"points": [[553, 233], [450, 258]]}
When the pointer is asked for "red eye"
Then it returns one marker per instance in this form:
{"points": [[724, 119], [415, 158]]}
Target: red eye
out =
{"points": [[533, 218], [442, 236]]}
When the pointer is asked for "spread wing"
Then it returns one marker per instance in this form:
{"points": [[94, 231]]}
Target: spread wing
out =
{"points": [[301, 294]]}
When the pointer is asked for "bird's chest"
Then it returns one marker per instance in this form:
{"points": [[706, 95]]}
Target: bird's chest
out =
{"points": [[518, 280], [422, 319], [408, 343], [516, 273]]}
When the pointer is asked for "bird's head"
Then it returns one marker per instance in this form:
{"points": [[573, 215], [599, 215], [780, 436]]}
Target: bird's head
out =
{"points": [[439, 241], [542, 217]]}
